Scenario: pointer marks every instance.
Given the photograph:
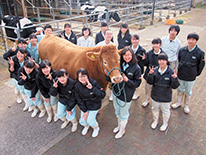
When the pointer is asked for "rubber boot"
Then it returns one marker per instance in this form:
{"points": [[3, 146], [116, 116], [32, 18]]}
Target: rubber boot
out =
{"points": [[66, 122], [42, 110], [17, 92], [49, 113], [136, 95], [118, 126], [95, 131], [35, 111], [121, 129], [111, 95], [144, 104], [179, 100], [30, 109], [26, 107], [85, 130], [165, 117], [74, 125], [186, 106], [54, 107], [155, 119]]}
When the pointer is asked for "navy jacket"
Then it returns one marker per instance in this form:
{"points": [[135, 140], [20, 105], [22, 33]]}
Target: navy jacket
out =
{"points": [[191, 63], [45, 84], [139, 52], [125, 41], [29, 83], [66, 93], [133, 73], [162, 85], [150, 60], [89, 99], [72, 39], [99, 37]]}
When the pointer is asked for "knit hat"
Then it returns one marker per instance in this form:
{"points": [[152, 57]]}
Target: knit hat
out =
{"points": [[162, 56]]}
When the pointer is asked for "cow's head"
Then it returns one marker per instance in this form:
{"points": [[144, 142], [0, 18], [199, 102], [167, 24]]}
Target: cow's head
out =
{"points": [[116, 16], [110, 60]]}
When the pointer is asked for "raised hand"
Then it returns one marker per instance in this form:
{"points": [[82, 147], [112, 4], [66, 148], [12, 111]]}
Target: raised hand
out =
{"points": [[23, 76], [49, 76], [89, 85], [11, 62], [62, 36], [14, 47], [55, 85], [151, 70], [175, 74], [143, 56], [125, 78]]}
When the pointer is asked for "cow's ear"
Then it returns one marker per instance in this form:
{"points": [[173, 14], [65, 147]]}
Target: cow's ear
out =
{"points": [[93, 55], [120, 51]]}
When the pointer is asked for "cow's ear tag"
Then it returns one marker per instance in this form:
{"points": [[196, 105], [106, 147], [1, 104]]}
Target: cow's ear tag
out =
{"points": [[92, 56]]}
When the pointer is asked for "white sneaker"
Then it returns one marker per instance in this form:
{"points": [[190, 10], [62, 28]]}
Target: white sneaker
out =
{"points": [[144, 104], [18, 100], [85, 130], [154, 124]]}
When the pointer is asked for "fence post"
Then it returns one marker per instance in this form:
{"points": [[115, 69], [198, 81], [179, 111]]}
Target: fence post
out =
{"points": [[38, 14], [127, 17], [153, 8], [2, 35], [18, 33], [175, 8], [168, 16], [160, 12], [107, 17], [141, 15]]}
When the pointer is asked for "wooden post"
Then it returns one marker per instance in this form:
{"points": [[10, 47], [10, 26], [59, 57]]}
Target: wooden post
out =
{"points": [[194, 3], [23, 8]]}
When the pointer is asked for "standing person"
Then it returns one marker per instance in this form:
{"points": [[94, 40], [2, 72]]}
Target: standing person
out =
{"points": [[47, 30], [138, 51], [86, 40], [89, 94], [171, 45], [150, 60], [124, 91], [27, 77], [64, 86], [191, 63], [13, 51], [163, 79], [32, 48], [100, 36], [68, 34], [44, 80], [123, 37], [15, 63]]}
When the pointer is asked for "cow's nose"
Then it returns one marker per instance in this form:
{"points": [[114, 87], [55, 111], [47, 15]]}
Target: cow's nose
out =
{"points": [[117, 79]]}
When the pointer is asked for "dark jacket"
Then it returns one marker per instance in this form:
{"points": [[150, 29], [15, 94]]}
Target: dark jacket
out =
{"points": [[14, 74], [72, 39], [89, 99], [11, 53], [99, 37], [66, 93], [191, 63], [133, 73], [150, 61], [125, 41], [45, 84], [138, 55], [162, 85], [29, 83]]}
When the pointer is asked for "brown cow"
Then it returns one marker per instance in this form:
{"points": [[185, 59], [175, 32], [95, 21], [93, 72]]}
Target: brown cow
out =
{"points": [[63, 54]]}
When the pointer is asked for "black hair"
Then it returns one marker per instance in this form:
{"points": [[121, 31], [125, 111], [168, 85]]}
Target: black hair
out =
{"points": [[83, 71], [156, 41], [31, 36], [125, 49], [44, 63], [103, 24], [61, 72], [67, 25], [176, 27], [23, 50], [21, 40], [48, 26], [136, 36], [127, 34], [29, 63], [163, 56], [84, 29], [124, 25], [193, 35]]}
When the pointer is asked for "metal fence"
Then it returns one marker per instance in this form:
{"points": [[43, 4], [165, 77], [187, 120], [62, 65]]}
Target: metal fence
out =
{"points": [[138, 14]]}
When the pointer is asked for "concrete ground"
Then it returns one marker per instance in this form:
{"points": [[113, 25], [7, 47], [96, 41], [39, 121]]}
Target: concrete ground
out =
{"points": [[186, 134]]}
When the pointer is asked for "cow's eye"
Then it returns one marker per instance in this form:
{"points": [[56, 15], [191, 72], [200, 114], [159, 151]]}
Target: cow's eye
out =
{"points": [[105, 62]]}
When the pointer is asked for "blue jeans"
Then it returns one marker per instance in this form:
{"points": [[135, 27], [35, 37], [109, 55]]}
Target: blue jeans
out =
{"points": [[37, 102], [121, 108], [186, 87], [61, 112], [52, 101], [91, 119]]}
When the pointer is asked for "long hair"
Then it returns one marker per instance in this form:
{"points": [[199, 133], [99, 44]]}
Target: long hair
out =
{"points": [[126, 33], [43, 64], [125, 49]]}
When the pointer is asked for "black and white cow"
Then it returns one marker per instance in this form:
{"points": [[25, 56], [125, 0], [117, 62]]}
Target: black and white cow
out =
{"points": [[12, 22], [99, 13]]}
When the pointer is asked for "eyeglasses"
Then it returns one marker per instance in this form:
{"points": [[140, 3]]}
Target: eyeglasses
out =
{"points": [[83, 76]]}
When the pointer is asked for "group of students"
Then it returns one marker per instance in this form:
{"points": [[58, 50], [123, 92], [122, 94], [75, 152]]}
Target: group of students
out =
{"points": [[168, 66]]}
